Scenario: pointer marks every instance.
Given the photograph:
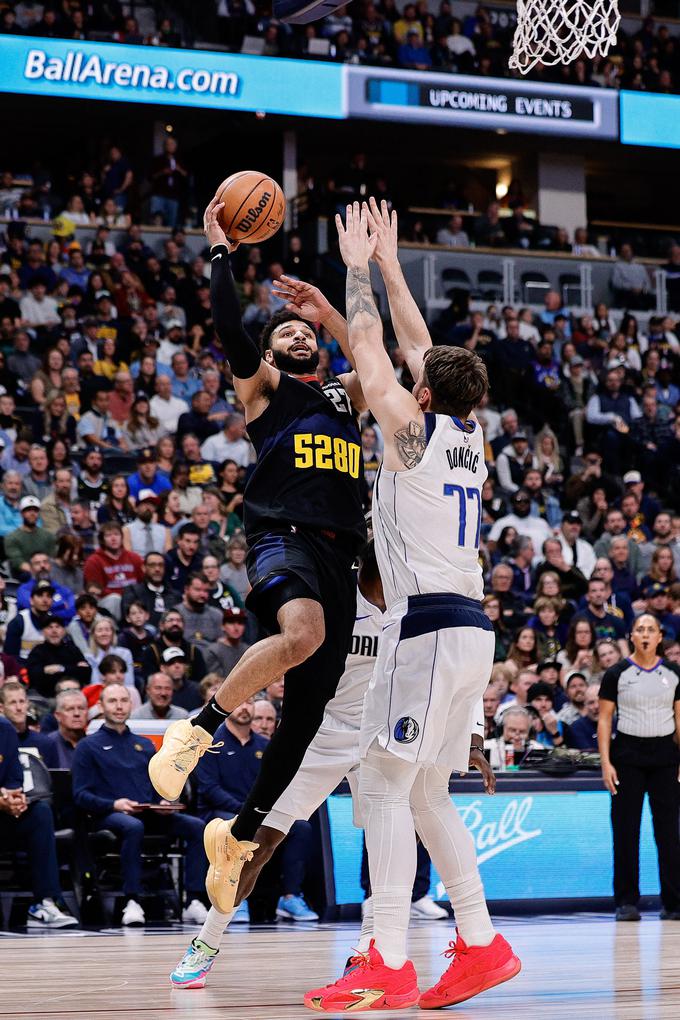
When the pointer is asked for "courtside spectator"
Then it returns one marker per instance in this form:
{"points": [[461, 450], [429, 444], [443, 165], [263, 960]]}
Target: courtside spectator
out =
{"points": [[29, 828], [116, 790]]}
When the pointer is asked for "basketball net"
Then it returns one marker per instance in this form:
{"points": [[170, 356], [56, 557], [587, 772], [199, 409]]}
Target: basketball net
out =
{"points": [[560, 31]]}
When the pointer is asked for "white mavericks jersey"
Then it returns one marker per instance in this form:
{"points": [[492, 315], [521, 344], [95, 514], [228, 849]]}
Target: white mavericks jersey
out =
{"points": [[347, 705], [427, 520]]}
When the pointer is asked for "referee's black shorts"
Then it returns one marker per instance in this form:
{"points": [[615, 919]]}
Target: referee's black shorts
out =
{"points": [[290, 562]]}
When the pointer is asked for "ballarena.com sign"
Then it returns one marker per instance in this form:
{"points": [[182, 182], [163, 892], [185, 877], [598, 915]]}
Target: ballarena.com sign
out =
{"points": [[116, 72], [81, 68]]}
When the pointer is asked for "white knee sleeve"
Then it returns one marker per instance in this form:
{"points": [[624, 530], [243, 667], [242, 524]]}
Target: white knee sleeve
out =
{"points": [[452, 850]]}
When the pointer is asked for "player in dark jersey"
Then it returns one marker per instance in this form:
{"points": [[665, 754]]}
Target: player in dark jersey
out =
{"points": [[304, 522]]}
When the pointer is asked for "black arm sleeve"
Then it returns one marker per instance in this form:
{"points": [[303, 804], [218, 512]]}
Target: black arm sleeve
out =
{"points": [[242, 354]]}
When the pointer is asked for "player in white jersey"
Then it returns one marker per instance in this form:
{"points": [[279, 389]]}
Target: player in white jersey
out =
{"points": [[436, 649], [332, 756]]}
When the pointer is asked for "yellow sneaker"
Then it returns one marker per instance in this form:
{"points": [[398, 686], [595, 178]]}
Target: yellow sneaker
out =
{"points": [[226, 856], [183, 745]]}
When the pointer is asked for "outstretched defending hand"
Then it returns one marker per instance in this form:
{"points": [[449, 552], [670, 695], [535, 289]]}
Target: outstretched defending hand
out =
{"points": [[383, 224], [303, 299], [212, 227], [356, 245]]}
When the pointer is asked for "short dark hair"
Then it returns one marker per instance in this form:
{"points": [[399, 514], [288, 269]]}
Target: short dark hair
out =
{"points": [[86, 600], [189, 529], [109, 662], [196, 576], [278, 319], [457, 379]]}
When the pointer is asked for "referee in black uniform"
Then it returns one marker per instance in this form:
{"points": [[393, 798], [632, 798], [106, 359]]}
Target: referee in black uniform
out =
{"points": [[643, 757]]}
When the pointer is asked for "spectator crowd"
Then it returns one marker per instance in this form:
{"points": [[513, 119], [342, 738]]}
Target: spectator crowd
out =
{"points": [[124, 455], [427, 35]]}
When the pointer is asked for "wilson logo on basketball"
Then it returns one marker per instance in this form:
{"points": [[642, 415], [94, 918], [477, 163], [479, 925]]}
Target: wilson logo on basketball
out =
{"points": [[254, 213]]}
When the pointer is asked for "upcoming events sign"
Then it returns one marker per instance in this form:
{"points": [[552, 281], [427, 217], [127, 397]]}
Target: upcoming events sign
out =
{"points": [[492, 103]]}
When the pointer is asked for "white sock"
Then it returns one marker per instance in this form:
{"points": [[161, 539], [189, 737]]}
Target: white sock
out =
{"points": [[453, 854], [212, 931], [469, 906], [385, 783], [366, 933]]}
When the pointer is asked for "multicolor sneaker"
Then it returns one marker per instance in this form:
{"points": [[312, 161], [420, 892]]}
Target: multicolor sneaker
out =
{"points": [[183, 745], [367, 984], [472, 970], [192, 970], [294, 908], [226, 857]]}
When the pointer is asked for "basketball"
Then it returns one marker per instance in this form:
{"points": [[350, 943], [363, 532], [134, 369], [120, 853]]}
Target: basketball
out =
{"points": [[254, 206]]}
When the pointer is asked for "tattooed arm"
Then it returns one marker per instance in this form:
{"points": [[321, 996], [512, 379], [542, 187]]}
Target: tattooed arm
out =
{"points": [[397, 412]]}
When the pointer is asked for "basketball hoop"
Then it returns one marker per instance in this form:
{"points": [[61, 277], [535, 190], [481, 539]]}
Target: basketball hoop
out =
{"points": [[560, 31]]}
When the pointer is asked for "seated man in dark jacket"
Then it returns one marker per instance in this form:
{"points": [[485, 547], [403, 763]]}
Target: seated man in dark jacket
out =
{"points": [[111, 782], [54, 659], [29, 827]]}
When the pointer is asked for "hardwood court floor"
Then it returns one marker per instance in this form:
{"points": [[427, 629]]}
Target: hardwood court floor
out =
{"points": [[583, 967]]}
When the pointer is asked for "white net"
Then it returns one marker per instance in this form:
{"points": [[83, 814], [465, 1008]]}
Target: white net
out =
{"points": [[559, 31]]}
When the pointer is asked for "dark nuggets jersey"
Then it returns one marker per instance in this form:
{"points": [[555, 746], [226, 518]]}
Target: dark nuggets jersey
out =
{"points": [[309, 462]]}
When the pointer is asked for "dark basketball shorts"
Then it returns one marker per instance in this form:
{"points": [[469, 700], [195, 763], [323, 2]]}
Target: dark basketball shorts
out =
{"points": [[290, 562]]}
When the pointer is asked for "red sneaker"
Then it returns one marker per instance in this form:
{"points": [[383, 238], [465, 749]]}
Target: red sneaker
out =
{"points": [[367, 984], [472, 970]]}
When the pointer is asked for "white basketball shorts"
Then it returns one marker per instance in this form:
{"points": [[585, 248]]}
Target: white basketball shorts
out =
{"points": [[434, 662], [332, 755]]}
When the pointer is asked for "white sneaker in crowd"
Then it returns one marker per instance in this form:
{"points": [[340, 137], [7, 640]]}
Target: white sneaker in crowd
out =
{"points": [[195, 913], [133, 915], [426, 908], [48, 915]]}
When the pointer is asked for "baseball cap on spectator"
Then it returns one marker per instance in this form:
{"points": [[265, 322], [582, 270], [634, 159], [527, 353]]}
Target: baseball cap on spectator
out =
{"points": [[42, 586], [632, 478], [50, 618], [29, 503], [518, 435], [540, 689], [654, 589], [234, 615], [575, 673], [147, 496], [577, 360], [573, 517], [548, 664], [172, 324], [75, 246], [145, 455], [173, 654]]}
